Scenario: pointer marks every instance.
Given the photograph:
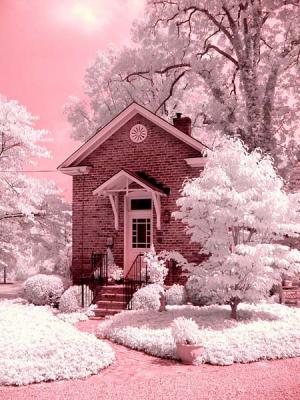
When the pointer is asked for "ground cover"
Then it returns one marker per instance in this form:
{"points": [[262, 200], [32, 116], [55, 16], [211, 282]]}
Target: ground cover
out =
{"points": [[36, 346], [264, 331]]}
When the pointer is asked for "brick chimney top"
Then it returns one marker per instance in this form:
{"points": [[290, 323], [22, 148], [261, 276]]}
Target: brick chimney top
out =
{"points": [[184, 124]]}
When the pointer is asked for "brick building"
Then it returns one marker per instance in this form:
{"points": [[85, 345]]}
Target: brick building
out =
{"points": [[126, 179]]}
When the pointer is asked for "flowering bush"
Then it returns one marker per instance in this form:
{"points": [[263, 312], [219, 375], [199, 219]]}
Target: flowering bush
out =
{"points": [[148, 297], [115, 272], [176, 295], [69, 301], [43, 289], [185, 331], [193, 288], [157, 268]]}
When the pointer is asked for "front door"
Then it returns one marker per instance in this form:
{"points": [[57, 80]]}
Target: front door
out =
{"points": [[139, 229]]}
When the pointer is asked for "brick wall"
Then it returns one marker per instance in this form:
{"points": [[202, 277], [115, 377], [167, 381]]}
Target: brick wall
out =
{"points": [[160, 156]]}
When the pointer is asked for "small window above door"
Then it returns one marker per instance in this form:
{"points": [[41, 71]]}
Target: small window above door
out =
{"points": [[141, 204]]}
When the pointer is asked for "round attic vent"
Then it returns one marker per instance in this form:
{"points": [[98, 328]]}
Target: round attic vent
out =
{"points": [[138, 133]]}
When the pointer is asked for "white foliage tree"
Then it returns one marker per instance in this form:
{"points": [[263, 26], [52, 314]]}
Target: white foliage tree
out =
{"points": [[34, 220], [240, 214], [231, 65]]}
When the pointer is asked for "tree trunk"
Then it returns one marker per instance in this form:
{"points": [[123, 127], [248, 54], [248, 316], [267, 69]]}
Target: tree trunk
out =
{"points": [[234, 305]]}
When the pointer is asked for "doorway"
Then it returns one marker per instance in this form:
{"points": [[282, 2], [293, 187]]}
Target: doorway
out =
{"points": [[138, 232]]}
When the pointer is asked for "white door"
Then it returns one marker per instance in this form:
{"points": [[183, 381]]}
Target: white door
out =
{"points": [[139, 230]]}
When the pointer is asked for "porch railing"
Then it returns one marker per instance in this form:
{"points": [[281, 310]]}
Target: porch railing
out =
{"points": [[87, 295], [135, 278], [99, 268], [138, 275], [99, 275]]}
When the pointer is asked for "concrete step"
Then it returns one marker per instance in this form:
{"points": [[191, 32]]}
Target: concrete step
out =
{"points": [[112, 287], [102, 312], [113, 305], [110, 297], [110, 290]]}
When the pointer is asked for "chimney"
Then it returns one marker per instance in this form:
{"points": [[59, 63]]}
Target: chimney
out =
{"points": [[184, 124]]}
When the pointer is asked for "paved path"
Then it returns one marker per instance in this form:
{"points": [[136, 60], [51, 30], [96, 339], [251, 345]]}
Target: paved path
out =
{"points": [[137, 376], [11, 290]]}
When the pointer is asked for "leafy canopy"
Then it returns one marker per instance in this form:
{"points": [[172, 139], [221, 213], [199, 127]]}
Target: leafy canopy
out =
{"points": [[239, 213], [232, 66]]}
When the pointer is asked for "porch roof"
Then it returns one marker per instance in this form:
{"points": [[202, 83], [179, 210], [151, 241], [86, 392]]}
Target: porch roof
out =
{"points": [[121, 181]]}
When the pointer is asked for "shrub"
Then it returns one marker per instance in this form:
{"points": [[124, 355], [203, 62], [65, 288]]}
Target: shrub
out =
{"points": [[148, 297], [193, 291], [185, 331], [176, 295], [43, 289], [156, 268], [115, 272], [69, 301]]}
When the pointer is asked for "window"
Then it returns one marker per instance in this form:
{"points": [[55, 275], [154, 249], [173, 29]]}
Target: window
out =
{"points": [[141, 233], [141, 204]]}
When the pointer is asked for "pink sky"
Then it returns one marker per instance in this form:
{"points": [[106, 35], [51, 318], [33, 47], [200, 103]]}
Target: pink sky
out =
{"points": [[45, 47]]}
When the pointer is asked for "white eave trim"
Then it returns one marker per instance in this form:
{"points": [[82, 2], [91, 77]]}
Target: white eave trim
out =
{"points": [[108, 130], [73, 171], [105, 188], [196, 162]]}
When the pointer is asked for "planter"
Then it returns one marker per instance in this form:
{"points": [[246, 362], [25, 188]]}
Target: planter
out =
{"points": [[188, 352]]}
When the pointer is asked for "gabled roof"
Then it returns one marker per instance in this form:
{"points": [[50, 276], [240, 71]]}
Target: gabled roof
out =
{"points": [[122, 180], [109, 129]]}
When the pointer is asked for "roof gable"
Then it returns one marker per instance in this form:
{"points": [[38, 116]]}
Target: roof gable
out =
{"points": [[122, 179], [108, 130]]}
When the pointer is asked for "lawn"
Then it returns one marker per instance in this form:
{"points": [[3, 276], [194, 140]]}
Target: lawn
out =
{"points": [[264, 331]]}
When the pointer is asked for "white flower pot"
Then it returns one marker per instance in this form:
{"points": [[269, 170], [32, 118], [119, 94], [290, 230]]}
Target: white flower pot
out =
{"points": [[188, 352]]}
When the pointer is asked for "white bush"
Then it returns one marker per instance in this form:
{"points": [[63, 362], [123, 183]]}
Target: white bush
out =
{"points": [[115, 272], [156, 268], [185, 331], [43, 289], [176, 295], [69, 301], [147, 298], [193, 288]]}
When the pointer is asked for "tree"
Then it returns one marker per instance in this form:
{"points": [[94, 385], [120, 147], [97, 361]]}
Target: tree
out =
{"points": [[231, 65], [239, 213], [32, 214]]}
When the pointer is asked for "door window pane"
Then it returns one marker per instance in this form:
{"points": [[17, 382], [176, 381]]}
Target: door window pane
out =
{"points": [[141, 233], [141, 204]]}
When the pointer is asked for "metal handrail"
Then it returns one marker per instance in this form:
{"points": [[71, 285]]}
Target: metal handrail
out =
{"points": [[134, 278], [98, 275], [99, 268]]}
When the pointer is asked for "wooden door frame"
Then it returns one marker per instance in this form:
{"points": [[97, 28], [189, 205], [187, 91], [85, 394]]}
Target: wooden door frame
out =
{"points": [[127, 214]]}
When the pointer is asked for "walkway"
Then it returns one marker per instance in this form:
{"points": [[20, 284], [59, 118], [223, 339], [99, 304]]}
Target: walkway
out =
{"points": [[11, 290], [137, 376]]}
